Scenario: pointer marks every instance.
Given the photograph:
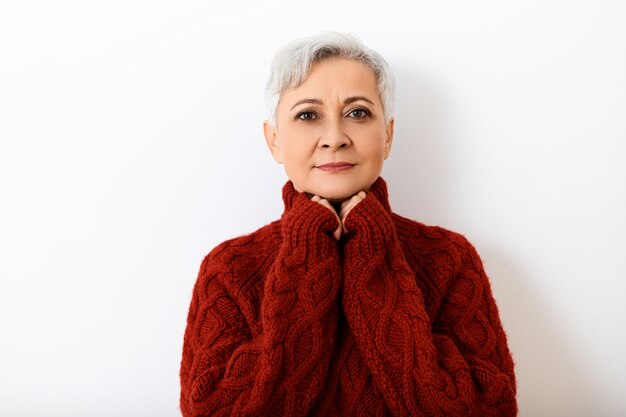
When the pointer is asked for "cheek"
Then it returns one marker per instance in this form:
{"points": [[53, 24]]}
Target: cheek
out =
{"points": [[297, 150], [374, 147], [371, 140]]}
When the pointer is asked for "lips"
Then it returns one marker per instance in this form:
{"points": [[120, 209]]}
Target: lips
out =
{"points": [[336, 167]]}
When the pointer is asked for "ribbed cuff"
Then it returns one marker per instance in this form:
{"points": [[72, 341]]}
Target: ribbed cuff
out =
{"points": [[307, 227], [370, 227]]}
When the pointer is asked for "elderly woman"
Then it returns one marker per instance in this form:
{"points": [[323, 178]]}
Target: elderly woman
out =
{"points": [[342, 307]]}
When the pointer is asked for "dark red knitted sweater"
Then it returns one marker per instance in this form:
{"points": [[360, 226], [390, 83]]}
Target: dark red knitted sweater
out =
{"points": [[396, 319]]}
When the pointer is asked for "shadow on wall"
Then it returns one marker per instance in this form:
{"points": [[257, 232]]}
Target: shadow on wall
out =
{"points": [[419, 162], [551, 381]]}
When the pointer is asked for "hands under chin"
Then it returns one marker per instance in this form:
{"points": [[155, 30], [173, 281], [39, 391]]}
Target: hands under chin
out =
{"points": [[344, 209]]}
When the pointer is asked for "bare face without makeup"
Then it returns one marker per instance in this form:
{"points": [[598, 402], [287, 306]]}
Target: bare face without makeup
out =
{"points": [[335, 117]]}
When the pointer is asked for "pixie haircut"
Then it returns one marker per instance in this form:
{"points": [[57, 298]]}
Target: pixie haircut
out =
{"points": [[291, 66]]}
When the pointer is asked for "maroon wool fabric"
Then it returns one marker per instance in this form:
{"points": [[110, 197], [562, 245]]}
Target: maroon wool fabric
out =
{"points": [[396, 319]]}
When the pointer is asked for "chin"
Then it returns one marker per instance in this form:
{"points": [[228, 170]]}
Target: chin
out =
{"points": [[338, 194], [339, 199]]}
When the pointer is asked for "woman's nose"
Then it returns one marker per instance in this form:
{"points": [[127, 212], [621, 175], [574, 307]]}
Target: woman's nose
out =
{"points": [[334, 136]]}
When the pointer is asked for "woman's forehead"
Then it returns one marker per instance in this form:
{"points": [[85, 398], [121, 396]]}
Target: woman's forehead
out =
{"points": [[335, 80], [340, 71]]}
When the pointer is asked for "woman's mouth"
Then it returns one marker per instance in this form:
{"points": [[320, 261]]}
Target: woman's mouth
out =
{"points": [[336, 166]]}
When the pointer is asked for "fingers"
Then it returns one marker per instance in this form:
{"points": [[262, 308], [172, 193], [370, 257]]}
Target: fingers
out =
{"points": [[349, 204], [337, 233], [345, 208], [325, 203]]}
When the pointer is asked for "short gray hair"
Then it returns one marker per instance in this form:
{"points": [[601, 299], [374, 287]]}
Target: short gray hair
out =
{"points": [[291, 66]]}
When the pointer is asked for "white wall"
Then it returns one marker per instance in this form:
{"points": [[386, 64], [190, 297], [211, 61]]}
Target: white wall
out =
{"points": [[131, 144]]}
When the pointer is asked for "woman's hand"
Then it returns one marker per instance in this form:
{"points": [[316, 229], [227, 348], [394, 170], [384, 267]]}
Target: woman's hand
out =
{"points": [[326, 203], [346, 206]]}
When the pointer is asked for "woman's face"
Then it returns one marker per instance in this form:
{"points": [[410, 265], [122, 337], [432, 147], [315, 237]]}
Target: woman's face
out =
{"points": [[335, 116]]}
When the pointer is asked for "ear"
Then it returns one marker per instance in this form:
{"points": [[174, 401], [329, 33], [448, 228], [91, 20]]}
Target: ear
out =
{"points": [[271, 138], [389, 139]]}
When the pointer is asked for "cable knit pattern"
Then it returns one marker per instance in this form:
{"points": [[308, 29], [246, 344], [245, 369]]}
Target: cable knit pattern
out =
{"points": [[396, 319]]}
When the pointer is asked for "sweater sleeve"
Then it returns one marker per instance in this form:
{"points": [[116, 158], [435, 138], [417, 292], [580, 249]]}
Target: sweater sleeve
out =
{"points": [[458, 366], [227, 369]]}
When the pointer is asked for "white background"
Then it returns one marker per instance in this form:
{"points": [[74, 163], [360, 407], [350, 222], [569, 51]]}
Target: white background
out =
{"points": [[131, 144]]}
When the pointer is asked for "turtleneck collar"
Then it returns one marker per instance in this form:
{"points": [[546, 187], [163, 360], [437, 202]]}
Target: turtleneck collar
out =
{"points": [[378, 190]]}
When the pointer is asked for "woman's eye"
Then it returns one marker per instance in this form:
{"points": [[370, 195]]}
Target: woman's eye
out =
{"points": [[307, 115], [359, 113]]}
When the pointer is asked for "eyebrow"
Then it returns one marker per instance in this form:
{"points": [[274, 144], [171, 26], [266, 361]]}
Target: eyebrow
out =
{"points": [[318, 101]]}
